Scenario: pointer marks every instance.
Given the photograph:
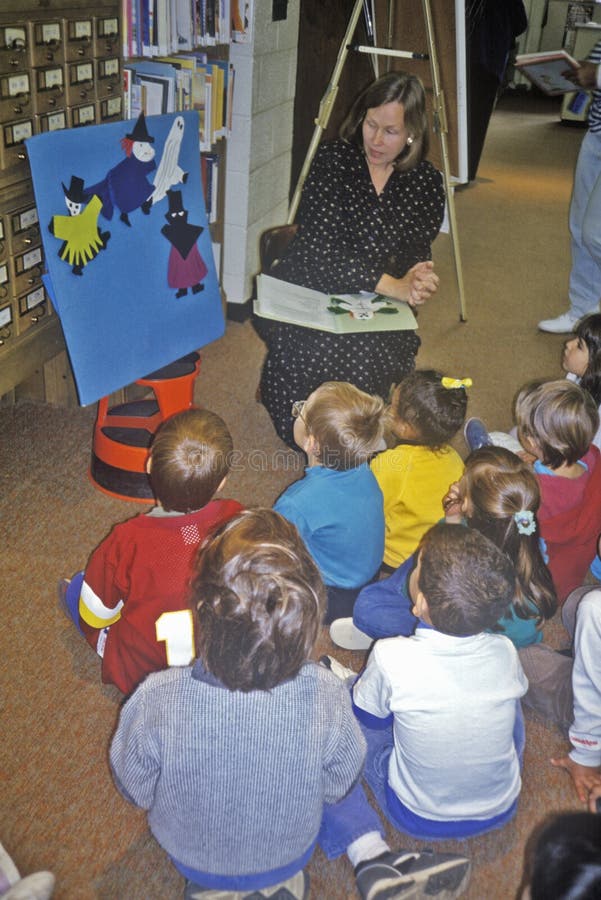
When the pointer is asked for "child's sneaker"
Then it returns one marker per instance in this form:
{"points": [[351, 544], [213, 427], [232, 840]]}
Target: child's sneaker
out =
{"points": [[475, 434], [12, 887], [295, 888], [39, 886], [337, 668], [346, 635], [405, 874]]}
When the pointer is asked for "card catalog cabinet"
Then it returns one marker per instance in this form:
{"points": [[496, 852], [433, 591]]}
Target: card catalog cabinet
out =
{"points": [[60, 67]]}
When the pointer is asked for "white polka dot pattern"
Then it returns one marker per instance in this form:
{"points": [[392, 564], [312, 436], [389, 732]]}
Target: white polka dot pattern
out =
{"points": [[348, 237]]}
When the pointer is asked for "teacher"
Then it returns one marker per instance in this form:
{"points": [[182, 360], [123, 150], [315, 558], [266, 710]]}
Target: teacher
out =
{"points": [[369, 211]]}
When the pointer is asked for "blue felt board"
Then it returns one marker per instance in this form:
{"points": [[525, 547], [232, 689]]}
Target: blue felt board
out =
{"points": [[120, 318]]}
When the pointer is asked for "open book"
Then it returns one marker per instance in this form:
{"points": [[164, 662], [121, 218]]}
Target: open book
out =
{"points": [[545, 70], [341, 314]]}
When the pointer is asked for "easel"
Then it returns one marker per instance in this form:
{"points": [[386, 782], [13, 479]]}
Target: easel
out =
{"points": [[440, 123]]}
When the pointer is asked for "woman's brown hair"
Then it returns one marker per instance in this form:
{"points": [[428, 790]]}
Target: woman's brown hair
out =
{"points": [[394, 87]]}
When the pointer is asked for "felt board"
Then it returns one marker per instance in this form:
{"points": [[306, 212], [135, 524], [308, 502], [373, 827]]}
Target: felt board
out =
{"points": [[134, 297]]}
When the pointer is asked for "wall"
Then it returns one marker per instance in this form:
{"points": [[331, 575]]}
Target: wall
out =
{"points": [[259, 149]]}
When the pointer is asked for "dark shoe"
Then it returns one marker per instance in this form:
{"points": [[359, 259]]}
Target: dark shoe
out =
{"points": [[476, 435], [405, 874], [181, 293], [198, 288]]}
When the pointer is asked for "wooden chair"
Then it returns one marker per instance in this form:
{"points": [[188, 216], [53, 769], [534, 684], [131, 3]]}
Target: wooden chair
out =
{"points": [[273, 244]]}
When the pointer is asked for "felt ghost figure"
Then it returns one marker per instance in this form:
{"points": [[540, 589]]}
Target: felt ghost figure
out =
{"points": [[186, 266], [79, 231], [169, 172]]}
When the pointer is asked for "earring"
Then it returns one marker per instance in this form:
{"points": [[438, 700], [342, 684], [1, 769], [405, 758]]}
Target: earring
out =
{"points": [[410, 140]]}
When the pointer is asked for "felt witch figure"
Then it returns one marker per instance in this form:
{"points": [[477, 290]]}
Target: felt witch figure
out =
{"points": [[79, 231], [186, 266], [126, 186]]}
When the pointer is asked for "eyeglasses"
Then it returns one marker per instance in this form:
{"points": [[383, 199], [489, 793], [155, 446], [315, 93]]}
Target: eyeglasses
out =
{"points": [[297, 409]]}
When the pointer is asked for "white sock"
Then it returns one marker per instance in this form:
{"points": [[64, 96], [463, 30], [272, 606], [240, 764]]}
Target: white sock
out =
{"points": [[366, 847]]}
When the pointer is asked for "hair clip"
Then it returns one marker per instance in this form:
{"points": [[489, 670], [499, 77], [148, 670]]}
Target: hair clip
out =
{"points": [[451, 383], [525, 521]]}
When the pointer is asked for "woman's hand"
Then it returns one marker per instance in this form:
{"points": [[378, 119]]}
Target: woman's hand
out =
{"points": [[414, 288]]}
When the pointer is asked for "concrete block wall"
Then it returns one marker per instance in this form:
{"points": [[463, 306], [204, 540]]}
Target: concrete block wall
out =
{"points": [[259, 148]]}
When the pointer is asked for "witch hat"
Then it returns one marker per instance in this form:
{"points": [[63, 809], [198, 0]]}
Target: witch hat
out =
{"points": [[175, 202], [140, 132], [74, 192]]}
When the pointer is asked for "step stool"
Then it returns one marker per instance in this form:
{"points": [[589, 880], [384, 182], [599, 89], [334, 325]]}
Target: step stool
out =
{"points": [[123, 433]]}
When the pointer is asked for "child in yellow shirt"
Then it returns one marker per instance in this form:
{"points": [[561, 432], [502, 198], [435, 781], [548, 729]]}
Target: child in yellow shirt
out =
{"points": [[427, 410]]}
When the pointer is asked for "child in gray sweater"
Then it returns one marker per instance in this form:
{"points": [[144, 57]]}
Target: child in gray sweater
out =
{"points": [[236, 757]]}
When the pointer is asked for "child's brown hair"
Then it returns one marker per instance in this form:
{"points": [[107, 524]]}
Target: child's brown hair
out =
{"points": [[559, 418], [467, 581], [260, 602], [189, 458], [503, 498]]}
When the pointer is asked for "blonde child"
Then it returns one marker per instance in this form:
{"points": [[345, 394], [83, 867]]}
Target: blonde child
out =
{"points": [[426, 411], [131, 602], [556, 422], [499, 496], [337, 505]]}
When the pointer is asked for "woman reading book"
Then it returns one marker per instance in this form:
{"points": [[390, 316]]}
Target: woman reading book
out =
{"points": [[370, 209]]}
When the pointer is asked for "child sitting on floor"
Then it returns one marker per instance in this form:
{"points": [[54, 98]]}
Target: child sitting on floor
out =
{"points": [[337, 505], [556, 423], [581, 360], [498, 495], [237, 757], [130, 603], [443, 705], [427, 410]]}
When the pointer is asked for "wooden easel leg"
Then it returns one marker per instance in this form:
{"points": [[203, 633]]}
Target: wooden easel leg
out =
{"points": [[440, 126]]}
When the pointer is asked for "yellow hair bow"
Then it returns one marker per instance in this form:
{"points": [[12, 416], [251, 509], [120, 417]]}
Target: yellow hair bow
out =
{"points": [[451, 383]]}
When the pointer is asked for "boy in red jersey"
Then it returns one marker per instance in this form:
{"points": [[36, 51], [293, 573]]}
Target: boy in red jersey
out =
{"points": [[131, 602]]}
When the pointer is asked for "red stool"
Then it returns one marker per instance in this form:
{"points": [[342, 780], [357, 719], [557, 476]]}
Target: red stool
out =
{"points": [[123, 433]]}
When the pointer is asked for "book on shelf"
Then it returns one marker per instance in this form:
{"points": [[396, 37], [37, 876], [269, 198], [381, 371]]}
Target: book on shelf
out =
{"points": [[209, 175], [546, 71], [160, 27], [337, 313], [160, 83]]}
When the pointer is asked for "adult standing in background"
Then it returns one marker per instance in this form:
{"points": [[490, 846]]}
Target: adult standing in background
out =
{"points": [[585, 209], [370, 208]]}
